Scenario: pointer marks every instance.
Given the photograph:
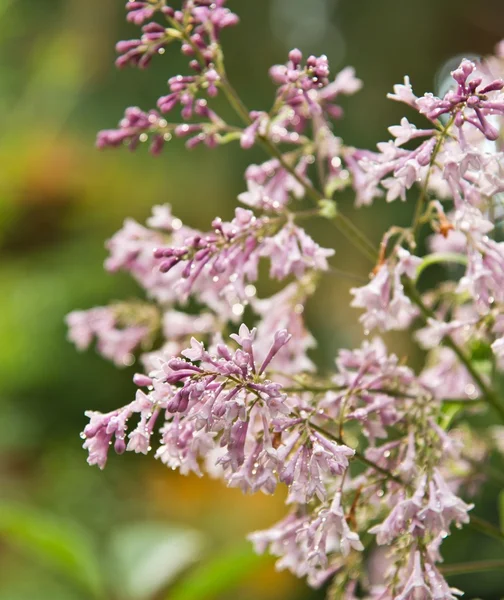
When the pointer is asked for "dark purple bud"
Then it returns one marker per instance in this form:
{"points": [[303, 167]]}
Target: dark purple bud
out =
{"points": [[120, 446], [167, 265], [153, 28], [157, 145], [495, 86], [127, 45]]}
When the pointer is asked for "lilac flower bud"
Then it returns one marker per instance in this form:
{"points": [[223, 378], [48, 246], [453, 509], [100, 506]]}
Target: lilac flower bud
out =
{"points": [[142, 380], [138, 12], [281, 338], [295, 56]]}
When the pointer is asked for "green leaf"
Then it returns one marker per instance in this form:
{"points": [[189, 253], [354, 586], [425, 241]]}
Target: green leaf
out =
{"points": [[146, 557], [56, 542], [218, 574]]}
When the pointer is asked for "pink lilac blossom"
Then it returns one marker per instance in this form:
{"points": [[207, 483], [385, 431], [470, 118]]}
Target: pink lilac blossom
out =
{"points": [[446, 377], [228, 258], [270, 186], [252, 410], [386, 305], [114, 342], [305, 546], [285, 311]]}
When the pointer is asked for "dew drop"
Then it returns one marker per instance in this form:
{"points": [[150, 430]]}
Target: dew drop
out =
{"points": [[299, 309], [128, 360], [471, 390], [238, 309], [250, 291]]}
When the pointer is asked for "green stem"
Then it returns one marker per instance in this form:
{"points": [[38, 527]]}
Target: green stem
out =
{"points": [[441, 257], [473, 567], [489, 395], [344, 224], [485, 527], [358, 455], [322, 389], [423, 194]]}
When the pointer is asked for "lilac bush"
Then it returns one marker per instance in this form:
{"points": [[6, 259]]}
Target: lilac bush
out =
{"points": [[371, 455]]}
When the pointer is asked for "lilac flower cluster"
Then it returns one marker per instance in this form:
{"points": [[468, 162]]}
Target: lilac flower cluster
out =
{"points": [[249, 406]]}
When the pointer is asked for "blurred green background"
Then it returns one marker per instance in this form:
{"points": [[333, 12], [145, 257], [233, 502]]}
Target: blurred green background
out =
{"points": [[137, 531]]}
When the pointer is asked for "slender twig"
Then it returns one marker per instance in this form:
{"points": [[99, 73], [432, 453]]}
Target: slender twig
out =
{"points": [[343, 223], [473, 567], [423, 193], [489, 395], [322, 389], [347, 275], [441, 257], [358, 455], [479, 524]]}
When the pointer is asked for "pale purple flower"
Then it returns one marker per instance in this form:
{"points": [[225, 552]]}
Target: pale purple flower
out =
{"points": [[114, 342], [307, 90], [447, 377], [270, 186], [406, 131], [471, 102], [402, 516], [285, 311], [436, 331], [403, 92], [137, 126], [392, 167], [329, 532], [184, 445], [443, 507], [132, 249], [281, 541], [219, 262], [416, 588], [104, 430], [484, 278], [309, 547], [386, 305], [306, 471], [293, 252]]}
